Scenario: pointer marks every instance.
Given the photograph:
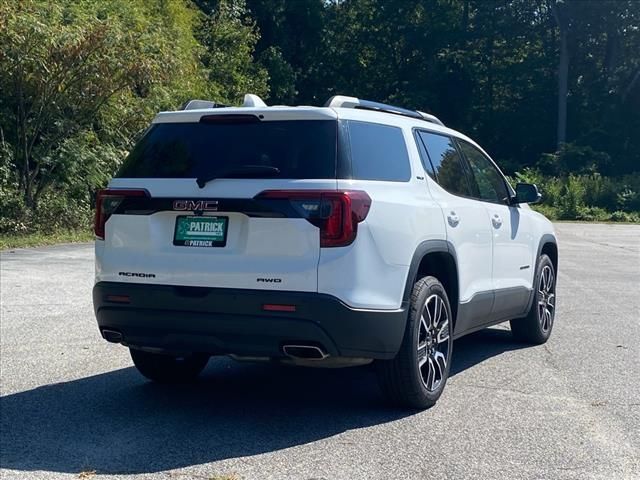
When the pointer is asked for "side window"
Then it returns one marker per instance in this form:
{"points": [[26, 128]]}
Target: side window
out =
{"points": [[488, 182], [446, 163], [378, 152], [424, 156]]}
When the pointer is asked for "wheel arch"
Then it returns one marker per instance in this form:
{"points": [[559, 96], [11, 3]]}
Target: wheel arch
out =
{"points": [[549, 246], [436, 258]]}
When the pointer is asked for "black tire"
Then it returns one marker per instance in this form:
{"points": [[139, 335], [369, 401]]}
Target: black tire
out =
{"points": [[163, 368], [536, 327], [403, 379]]}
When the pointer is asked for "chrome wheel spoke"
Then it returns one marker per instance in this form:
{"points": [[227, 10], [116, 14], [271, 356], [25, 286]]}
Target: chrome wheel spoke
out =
{"points": [[424, 326], [436, 371], [422, 354], [429, 320], [551, 300], [443, 332], [439, 306], [431, 374], [434, 314]]}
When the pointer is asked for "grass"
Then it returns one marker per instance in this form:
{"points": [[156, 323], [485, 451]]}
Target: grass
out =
{"points": [[9, 241]]}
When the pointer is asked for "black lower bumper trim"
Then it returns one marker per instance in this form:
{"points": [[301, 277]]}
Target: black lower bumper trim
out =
{"points": [[225, 321]]}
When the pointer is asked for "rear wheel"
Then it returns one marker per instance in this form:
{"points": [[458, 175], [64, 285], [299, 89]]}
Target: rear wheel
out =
{"points": [[536, 327], [168, 368], [418, 374]]}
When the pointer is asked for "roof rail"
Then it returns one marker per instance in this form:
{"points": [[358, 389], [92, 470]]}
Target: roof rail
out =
{"points": [[250, 100], [430, 118], [342, 101]]}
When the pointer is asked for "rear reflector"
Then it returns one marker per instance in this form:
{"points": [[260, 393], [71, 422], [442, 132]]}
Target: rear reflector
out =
{"points": [[107, 201], [270, 307], [118, 298], [335, 213]]}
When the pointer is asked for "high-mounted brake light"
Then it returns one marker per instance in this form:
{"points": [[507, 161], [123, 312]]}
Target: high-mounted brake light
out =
{"points": [[335, 213], [107, 201]]}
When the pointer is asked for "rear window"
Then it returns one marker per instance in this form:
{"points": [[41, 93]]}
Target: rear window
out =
{"points": [[297, 149], [378, 152]]}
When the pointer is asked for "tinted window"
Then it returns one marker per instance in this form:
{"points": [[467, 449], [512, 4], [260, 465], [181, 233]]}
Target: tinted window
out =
{"points": [[446, 163], [378, 152], [298, 149], [424, 156], [487, 182]]}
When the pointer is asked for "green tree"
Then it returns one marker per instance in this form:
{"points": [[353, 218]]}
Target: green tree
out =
{"points": [[68, 68], [79, 80], [229, 36]]}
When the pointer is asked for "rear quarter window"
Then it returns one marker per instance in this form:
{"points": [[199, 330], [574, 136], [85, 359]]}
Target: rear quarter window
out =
{"points": [[378, 152]]}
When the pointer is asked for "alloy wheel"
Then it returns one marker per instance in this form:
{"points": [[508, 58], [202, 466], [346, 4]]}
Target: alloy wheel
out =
{"points": [[433, 342], [546, 298]]}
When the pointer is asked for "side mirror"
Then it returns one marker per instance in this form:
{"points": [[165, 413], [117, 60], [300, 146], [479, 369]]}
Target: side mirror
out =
{"points": [[526, 193]]}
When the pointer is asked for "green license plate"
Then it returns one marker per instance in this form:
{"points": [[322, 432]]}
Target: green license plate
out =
{"points": [[201, 231]]}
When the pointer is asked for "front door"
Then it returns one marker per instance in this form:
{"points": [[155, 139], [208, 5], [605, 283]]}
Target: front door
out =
{"points": [[513, 250]]}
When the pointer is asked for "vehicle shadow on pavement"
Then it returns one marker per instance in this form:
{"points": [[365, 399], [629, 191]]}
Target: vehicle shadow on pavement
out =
{"points": [[473, 349], [117, 422]]}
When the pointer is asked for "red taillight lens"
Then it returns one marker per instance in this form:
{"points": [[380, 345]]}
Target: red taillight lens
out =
{"points": [[107, 201], [335, 213]]}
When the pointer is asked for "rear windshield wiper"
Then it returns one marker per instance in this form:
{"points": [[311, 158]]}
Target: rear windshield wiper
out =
{"points": [[245, 171]]}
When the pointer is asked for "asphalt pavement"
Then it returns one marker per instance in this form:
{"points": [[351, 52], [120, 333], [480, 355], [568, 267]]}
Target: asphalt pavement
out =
{"points": [[72, 406]]}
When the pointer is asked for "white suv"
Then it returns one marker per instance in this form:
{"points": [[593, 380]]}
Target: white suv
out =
{"points": [[324, 236]]}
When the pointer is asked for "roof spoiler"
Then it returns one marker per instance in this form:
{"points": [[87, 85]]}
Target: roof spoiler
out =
{"points": [[250, 100]]}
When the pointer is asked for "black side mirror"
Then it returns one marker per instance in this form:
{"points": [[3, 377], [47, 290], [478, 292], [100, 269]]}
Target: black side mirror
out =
{"points": [[526, 193]]}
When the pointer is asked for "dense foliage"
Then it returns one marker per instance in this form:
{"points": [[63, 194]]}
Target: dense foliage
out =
{"points": [[551, 88]]}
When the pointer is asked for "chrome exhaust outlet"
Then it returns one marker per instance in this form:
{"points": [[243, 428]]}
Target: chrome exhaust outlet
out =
{"points": [[304, 352], [112, 336]]}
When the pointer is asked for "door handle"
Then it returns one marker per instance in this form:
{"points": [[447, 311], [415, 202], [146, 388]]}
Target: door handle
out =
{"points": [[497, 221], [453, 219]]}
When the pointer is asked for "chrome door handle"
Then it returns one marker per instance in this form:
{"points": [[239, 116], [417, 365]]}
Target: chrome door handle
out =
{"points": [[497, 221], [453, 219]]}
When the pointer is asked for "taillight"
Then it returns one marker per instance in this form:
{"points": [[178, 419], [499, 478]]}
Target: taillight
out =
{"points": [[335, 213], [107, 201]]}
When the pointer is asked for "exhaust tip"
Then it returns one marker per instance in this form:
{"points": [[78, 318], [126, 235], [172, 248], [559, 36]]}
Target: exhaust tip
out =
{"points": [[306, 352], [112, 336]]}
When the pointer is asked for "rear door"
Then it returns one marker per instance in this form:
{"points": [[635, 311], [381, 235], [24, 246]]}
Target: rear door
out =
{"points": [[201, 220], [467, 225]]}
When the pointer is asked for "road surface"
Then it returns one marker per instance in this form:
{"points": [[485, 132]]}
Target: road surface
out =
{"points": [[72, 403]]}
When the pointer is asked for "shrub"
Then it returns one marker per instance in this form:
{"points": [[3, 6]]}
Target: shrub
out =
{"points": [[589, 197]]}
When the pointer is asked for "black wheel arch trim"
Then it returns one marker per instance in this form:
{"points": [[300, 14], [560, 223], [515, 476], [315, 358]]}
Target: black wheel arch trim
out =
{"points": [[547, 238], [423, 249]]}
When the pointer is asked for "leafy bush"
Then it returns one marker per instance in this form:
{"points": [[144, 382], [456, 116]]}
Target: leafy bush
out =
{"points": [[589, 197]]}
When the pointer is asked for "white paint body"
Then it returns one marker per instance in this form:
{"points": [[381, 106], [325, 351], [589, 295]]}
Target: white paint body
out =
{"points": [[371, 273]]}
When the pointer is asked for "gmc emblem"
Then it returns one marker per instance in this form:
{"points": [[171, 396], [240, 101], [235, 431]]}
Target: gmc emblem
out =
{"points": [[196, 205]]}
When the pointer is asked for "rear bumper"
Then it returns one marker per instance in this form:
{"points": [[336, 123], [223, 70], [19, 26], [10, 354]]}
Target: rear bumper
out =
{"points": [[232, 321]]}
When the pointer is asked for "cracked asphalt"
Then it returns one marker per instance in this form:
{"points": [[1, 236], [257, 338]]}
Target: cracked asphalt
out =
{"points": [[72, 406]]}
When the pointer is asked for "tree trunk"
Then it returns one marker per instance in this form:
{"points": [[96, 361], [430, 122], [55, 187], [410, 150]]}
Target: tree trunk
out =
{"points": [[563, 74]]}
